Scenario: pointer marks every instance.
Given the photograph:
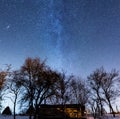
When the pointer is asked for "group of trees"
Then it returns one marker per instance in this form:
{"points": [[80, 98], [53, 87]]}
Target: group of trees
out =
{"points": [[104, 90], [35, 83]]}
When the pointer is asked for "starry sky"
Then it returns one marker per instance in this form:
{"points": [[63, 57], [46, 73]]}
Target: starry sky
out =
{"points": [[77, 36]]}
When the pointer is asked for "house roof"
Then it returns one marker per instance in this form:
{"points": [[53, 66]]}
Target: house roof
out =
{"points": [[60, 106]]}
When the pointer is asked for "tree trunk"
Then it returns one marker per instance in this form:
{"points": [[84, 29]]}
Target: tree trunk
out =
{"points": [[100, 102], [36, 112], [14, 110], [15, 107], [111, 108], [31, 111], [30, 117]]}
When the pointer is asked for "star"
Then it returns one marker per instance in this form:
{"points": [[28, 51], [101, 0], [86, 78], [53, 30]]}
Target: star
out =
{"points": [[8, 26]]}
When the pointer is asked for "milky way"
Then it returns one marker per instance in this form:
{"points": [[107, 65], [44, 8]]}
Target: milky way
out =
{"points": [[56, 28]]}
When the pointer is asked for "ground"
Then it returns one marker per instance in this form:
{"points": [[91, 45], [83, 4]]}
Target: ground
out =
{"points": [[26, 117], [11, 117], [107, 117]]}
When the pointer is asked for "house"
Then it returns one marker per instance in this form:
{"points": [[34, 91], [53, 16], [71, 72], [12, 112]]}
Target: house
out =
{"points": [[67, 111]]}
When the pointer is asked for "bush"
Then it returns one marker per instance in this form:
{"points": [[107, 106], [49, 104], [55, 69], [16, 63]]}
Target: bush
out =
{"points": [[7, 111]]}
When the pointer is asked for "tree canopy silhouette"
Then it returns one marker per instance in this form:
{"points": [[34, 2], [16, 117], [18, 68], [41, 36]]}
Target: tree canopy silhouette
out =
{"points": [[7, 111]]}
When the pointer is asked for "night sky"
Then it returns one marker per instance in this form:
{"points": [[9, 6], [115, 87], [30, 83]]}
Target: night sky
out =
{"points": [[75, 35]]}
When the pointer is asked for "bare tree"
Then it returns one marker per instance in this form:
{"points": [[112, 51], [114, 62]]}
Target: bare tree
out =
{"points": [[46, 87], [63, 91], [63, 87], [94, 108], [30, 72], [109, 86], [39, 82], [95, 81], [104, 87], [13, 87], [80, 93], [3, 75]]}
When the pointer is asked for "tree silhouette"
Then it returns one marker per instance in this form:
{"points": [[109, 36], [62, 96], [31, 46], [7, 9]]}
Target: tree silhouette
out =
{"points": [[79, 93], [109, 88], [95, 81], [13, 87], [104, 88], [3, 75], [39, 82], [7, 111]]}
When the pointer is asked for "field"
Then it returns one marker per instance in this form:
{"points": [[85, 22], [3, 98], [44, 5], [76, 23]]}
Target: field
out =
{"points": [[11, 117], [106, 117], [26, 117]]}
